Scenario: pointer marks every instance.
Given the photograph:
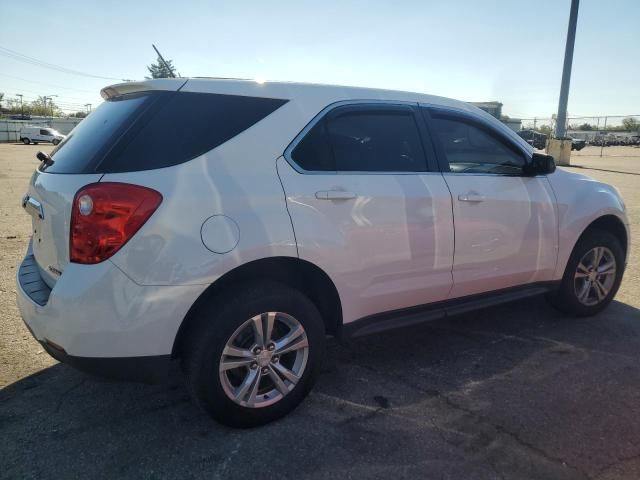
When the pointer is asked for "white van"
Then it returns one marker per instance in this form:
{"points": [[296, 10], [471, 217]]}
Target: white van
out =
{"points": [[40, 134]]}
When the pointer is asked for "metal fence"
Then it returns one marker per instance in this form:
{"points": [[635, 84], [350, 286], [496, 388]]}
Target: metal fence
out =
{"points": [[10, 129], [595, 135]]}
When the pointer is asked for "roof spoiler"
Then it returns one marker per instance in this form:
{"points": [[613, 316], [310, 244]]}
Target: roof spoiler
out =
{"points": [[166, 84]]}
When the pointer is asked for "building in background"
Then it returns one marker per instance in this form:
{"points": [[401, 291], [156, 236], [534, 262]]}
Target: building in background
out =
{"points": [[492, 108], [495, 110]]}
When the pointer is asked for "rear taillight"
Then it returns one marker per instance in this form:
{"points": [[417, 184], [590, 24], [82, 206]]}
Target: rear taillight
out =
{"points": [[104, 216]]}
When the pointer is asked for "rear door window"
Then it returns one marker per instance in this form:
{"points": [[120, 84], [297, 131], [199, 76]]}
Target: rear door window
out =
{"points": [[313, 153], [363, 138], [155, 130], [381, 139]]}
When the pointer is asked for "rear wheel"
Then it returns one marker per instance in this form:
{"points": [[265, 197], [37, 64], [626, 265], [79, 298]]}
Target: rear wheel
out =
{"points": [[253, 356], [26, 141], [592, 276]]}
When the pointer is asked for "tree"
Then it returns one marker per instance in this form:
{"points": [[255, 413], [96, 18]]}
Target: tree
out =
{"points": [[44, 107], [586, 127], [546, 129], [160, 70], [1, 97], [631, 124], [14, 107], [79, 114]]}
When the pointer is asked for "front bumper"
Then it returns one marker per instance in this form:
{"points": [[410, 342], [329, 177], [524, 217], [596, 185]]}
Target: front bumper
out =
{"points": [[97, 319]]}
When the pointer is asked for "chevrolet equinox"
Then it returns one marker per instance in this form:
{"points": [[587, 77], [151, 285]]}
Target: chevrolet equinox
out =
{"points": [[233, 225]]}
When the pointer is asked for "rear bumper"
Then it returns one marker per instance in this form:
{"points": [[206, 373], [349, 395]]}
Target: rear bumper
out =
{"points": [[98, 320], [134, 369]]}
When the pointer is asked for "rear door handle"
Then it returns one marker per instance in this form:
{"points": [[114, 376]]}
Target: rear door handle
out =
{"points": [[335, 195], [471, 197]]}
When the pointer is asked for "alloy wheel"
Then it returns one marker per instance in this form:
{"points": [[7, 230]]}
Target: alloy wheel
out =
{"points": [[594, 276], [264, 359]]}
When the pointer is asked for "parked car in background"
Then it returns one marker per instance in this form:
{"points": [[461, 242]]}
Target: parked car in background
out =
{"points": [[274, 214], [577, 144], [40, 134], [535, 139]]}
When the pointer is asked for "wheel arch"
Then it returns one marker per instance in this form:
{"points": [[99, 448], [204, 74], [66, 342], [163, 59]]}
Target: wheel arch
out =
{"points": [[608, 223], [294, 272]]}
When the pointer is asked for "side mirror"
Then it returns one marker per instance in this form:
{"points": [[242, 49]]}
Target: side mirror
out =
{"points": [[541, 164]]}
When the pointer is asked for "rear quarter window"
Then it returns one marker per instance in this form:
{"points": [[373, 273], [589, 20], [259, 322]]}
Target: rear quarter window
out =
{"points": [[156, 130], [186, 126]]}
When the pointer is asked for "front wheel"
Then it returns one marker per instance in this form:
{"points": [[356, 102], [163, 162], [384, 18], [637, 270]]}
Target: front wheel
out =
{"points": [[254, 354], [26, 141], [56, 141], [592, 276]]}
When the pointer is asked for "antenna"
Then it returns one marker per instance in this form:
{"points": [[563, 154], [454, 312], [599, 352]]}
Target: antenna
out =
{"points": [[166, 65]]}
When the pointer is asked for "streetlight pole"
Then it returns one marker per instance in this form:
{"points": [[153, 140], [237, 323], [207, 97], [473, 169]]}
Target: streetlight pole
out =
{"points": [[21, 106], [88, 106], [561, 123], [50, 98], [45, 98]]}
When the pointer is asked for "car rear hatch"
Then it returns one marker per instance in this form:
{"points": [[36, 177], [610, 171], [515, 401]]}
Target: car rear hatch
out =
{"points": [[75, 162]]}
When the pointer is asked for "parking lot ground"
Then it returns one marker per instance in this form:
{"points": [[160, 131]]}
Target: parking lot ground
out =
{"points": [[516, 391], [619, 159]]}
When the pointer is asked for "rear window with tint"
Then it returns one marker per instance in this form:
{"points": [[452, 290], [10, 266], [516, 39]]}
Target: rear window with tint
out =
{"points": [[89, 142], [155, 130]]}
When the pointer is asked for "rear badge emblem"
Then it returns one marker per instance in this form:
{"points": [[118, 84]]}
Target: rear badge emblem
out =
{"points": [[54, 270]]}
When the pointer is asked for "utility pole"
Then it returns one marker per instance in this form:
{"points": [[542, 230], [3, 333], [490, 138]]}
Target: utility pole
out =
{"points": [[566, 71], [45, 105], [21, 106], [604, 138], [50, 98], [166, 65]]}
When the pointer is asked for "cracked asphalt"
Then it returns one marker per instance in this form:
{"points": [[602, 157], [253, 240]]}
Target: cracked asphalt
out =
{"points": [[516, 391]]}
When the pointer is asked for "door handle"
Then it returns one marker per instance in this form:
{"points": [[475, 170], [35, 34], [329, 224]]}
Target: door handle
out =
{"points": [[471, 197], [335, 195]]}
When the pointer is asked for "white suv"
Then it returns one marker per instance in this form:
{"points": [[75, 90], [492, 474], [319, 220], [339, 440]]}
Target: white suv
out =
{"points": [[233, 225]]}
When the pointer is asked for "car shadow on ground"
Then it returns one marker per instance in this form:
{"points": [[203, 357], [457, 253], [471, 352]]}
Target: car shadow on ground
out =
{"points": [[516, 390]]}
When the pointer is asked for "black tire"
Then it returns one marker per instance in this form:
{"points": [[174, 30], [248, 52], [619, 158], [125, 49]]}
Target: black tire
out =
{"points": [[566, 299], [56, 142], [26, 141], [215, 323]]}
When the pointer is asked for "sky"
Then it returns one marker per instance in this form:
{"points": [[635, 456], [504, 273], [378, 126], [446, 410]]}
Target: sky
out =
{"points": [[505, 50]]}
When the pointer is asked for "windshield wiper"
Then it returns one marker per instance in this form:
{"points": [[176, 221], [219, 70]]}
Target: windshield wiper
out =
{"points": [[45, 158]]}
